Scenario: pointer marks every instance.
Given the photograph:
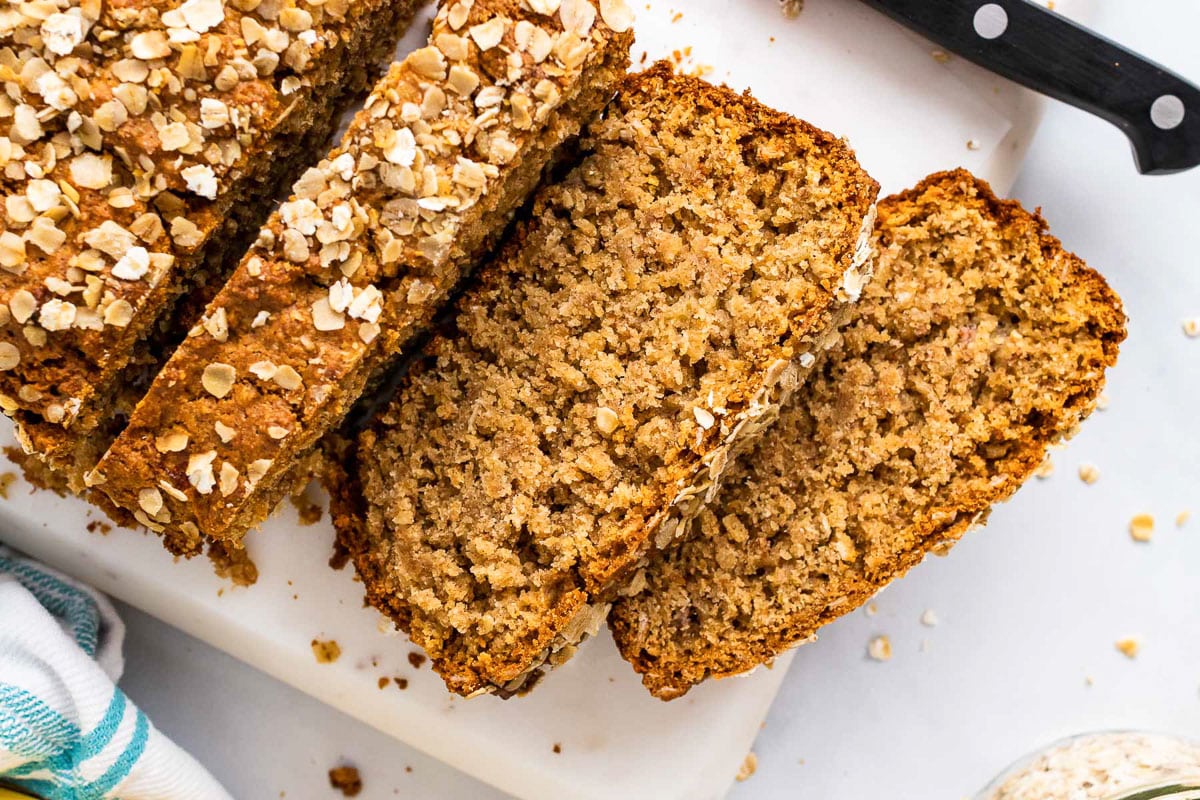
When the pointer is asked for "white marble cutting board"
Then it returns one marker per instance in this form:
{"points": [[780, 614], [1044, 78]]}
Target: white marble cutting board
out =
{"points": [[838, 65]]}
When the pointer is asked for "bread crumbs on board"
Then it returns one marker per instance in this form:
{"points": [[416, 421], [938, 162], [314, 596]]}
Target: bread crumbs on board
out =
{"points": [[346, 780], [749, 767], [880, 648], [683, 63], [1129, 646], [327, 651], [308, 511], [1141, 528]]}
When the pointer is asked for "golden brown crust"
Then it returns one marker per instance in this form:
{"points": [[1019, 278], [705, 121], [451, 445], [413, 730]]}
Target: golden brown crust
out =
{"points": [[357, 260], [133, 135], [645, 323], [980, 342]]}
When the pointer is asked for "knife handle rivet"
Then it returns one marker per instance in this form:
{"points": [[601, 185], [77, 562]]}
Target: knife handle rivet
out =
{"points": [[991, 21], [1167, 112]]}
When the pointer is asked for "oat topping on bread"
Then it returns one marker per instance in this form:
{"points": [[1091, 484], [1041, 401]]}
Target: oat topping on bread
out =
{"points": [[979, 343], [135, 136], [646, 321], [356, 262]]}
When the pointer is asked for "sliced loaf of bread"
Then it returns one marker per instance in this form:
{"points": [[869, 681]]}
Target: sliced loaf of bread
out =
{"points": [[644, 324], [351, 269], [979, 343]]}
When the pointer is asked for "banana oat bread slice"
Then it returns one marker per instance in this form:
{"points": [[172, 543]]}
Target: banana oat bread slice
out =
{"points": [[357, 261], [979, 343], [140, 142], [641, 326]]}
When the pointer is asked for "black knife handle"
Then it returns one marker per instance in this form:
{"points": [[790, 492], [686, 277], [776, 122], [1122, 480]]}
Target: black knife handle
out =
{"points": [[1158, 110]]}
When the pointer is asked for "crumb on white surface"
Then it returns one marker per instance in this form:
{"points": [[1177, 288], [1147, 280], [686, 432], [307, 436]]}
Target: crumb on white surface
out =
{"points": [[749, 766], [1089, 473], [326, 651], [929, 618], [1129, 646], [1191, 327], [880, 648], [1182, 517], [1141, 528], [791, 8]]}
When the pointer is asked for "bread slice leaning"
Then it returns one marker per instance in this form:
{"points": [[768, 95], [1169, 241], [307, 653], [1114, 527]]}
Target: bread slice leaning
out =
{"points": [[643, 325], [979, 343]]}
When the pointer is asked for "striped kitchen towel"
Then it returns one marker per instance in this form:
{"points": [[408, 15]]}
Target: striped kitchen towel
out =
{"points": [[66, 731]]}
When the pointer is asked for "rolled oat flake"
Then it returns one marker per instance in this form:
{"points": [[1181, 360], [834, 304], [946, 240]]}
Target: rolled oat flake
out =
{"points": [[1113, 765]]}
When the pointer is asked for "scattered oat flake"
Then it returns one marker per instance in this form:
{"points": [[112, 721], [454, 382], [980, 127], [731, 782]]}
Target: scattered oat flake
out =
{"points": [[326, 652], [1129, 647], [871, 609], [346, 780], [880, 648], [749, 766], [1181, 518], [791, 8], [1141, 527], [416, 659], [1089, 473], [929, 618], [383, 682], [1191, 327], [972, 144], [940, 56]]}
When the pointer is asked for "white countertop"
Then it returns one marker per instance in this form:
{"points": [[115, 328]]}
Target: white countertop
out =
{"points": [[1014, 636]]}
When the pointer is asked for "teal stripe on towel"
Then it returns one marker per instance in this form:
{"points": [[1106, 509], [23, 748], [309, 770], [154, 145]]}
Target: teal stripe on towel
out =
{"points": [[30, 728], [75, 606], [123, 765]]}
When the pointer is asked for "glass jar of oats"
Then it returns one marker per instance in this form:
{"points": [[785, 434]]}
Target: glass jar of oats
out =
{"points": [[1110, 765]]}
